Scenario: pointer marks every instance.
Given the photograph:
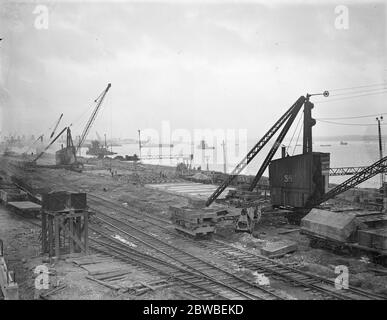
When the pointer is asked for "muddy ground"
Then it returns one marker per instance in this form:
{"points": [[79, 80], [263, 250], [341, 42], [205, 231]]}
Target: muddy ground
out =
{"points": [[127, 185]]}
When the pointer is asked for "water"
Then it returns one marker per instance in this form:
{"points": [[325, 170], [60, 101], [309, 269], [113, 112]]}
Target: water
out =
{"points": [[355, 153]]}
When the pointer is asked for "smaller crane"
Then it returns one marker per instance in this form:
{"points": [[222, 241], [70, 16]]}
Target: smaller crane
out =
{"points": [[50, 144], [56, 126], [53, 131]]}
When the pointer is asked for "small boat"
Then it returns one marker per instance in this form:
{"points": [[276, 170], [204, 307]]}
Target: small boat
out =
{"points": [[325, 145], [97, 150], [343, 143]]}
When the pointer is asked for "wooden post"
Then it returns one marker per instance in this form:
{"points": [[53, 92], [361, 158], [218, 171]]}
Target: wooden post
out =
{"points": [[79, 231], [56, 234], [50, 236], [86, 230], [44, 232], [71, 242]]}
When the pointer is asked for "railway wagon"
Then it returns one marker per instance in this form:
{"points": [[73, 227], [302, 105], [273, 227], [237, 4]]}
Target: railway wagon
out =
{"points": [[11, 195], [352, 232]]}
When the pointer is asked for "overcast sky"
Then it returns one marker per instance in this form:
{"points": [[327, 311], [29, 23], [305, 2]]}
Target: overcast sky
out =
{"points": [[197, 65]]}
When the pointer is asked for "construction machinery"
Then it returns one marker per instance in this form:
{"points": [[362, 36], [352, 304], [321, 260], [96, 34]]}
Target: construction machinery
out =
{"points": [[65, 157], [287, 117], [55, 126], [91, 120], [244, 221], [248, 219], [297, 183]]}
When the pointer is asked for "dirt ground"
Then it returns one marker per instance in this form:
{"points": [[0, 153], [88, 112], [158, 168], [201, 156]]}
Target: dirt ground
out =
{"points": [[21, 245], [127, 185]]}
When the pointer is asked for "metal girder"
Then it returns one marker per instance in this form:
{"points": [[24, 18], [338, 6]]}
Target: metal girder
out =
{"points": [[56, 126], [70, 143], [345, 171], [275, 147], [254, 151], [365, 174]]}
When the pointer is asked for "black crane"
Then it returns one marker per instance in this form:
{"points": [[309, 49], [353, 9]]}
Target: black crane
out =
{"points": [[56, 126], [50, 144], [288, 116]]}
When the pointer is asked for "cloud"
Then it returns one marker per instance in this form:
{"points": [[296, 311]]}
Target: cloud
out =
{"points": [[197, 65]]}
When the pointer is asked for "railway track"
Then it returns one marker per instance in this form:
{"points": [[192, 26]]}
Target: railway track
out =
{"points": [[193, 279], [322, 287], [180, 257], [152, 246]]}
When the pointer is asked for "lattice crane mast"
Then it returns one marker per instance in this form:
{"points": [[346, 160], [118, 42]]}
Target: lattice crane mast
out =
{"points": [[288, 116], [50, 144], [378, 167], [89, 123], [56, 126]]}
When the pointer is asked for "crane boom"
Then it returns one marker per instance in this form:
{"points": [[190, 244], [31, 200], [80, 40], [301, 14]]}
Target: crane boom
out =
{"points": [[49, 145], [255, 150], [56, 126], [378, 167], [99, 101], [275, 147]]}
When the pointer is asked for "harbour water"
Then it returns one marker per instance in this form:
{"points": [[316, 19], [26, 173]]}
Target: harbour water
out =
{"points": [[354, 153]]}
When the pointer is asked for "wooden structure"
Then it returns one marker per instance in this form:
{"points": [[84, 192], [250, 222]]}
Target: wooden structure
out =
{"points": [[65, 220], [65, 232]]}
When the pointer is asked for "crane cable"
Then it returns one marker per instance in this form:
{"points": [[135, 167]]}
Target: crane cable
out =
{"points": [[358, 92], [350, 124], [355, 117], [295, 130], [299, 133], [351, 97], [358, 87]]}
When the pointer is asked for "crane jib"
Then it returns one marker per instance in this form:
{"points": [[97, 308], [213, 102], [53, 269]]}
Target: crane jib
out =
{"points": [[378, 167], [86, 130], [255, 150]]}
